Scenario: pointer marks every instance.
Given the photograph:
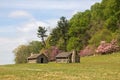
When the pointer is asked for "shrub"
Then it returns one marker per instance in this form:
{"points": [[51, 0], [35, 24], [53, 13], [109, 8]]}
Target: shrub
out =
{"points": [[105, 48], [87, 51]]}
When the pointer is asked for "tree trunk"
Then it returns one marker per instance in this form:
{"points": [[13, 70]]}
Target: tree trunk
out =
{"points": [[44, 44], [65, 44]]}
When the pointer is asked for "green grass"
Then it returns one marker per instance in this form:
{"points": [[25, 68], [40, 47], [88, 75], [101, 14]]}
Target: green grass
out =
{"points": [[106, 67]]}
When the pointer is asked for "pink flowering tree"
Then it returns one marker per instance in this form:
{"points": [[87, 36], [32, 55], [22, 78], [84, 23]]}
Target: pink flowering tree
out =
{"points": [[87, 51], [52, 52], [105, 48]]}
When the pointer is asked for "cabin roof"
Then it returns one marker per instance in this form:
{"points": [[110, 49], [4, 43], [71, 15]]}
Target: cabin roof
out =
{"points": [[64, 54], [35, 56]]}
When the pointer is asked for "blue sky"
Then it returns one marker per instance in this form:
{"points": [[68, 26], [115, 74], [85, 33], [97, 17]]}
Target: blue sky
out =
{"points": [[19, 20]]}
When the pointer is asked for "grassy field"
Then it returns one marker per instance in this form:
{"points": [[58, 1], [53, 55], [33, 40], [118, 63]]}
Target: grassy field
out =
{"points": [[106, 67]]}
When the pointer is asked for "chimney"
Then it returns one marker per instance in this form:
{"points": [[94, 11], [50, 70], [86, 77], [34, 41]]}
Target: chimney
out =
{"points": [[73, 56], [31, 54]]}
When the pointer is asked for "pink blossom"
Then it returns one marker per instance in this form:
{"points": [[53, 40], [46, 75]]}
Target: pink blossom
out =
{"points": [[104, 47]]}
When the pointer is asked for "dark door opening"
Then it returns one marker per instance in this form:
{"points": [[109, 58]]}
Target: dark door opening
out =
{"points": [[42, 60]]}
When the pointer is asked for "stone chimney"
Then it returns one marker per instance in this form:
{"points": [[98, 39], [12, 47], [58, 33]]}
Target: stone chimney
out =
{"points": [[31, 54], [73, 56]]}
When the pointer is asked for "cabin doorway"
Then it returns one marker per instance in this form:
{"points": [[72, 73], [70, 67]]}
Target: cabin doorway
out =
{"points": [[42, 60]]}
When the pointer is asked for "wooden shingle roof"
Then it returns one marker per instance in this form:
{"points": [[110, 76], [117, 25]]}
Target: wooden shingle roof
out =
{"points": [[35, 56], [64, 54]]}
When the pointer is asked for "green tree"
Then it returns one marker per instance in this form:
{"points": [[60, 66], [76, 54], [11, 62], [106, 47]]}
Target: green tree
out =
{"points": [[103, 35], [96, 12], [113, 22], [35, 46], [63, 27], [73, 44], [21, 54], [111, 7], [54, 36], [42, 34], [79, 26]]}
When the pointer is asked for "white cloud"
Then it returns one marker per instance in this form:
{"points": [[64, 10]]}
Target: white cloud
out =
{"points": [[28, 31], [19, 14], [31, 26], [27, 27]]}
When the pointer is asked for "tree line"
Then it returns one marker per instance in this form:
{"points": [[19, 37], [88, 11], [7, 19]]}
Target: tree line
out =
{"points": [[88, 28]]}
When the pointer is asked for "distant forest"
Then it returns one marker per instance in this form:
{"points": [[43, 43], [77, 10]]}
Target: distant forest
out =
{"points": [[85, 30]]}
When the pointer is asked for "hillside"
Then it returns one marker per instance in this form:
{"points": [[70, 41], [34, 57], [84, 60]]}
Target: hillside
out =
{"points": [[105, 67], [83, 31]]}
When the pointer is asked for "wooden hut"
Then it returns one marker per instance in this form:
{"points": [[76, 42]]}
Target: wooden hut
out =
{"points": [[64, 57], [68, 57], [37, 58]]}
